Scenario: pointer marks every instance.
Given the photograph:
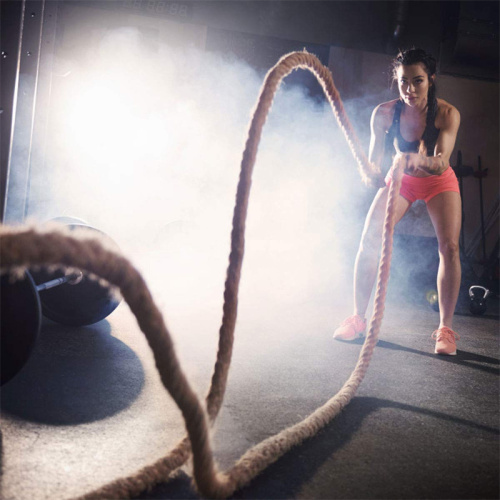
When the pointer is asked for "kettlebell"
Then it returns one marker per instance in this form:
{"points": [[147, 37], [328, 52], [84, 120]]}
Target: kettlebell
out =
{"points": [[478, 295]]}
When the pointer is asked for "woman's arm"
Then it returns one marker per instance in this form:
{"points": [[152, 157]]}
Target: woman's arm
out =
{"points": [[448, 122], [377, 138], [378, 127]]}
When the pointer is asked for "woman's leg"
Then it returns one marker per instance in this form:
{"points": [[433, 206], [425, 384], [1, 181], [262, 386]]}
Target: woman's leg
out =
{"points": [[367, 259], [446, 216]]}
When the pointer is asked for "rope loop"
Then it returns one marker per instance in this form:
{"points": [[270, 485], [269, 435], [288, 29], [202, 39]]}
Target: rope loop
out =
{"points": [[26, 246]]}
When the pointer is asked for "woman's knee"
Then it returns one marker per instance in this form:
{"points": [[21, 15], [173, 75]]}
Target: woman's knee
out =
{"points": [[370, 243], [449, 250]]}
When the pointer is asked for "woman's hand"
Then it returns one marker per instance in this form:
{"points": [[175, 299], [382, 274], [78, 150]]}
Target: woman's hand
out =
{"points": [[422, 166], [419, 165], [416, 165], [411, 164]]}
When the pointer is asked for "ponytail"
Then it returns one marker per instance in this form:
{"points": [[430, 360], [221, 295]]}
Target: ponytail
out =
{"points": [[432, 107]]}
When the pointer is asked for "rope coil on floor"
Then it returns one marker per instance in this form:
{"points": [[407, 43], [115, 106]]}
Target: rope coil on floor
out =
{"points": [[27, 246]]}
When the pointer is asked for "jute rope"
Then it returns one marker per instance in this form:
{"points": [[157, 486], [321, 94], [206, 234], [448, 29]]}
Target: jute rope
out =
{"points": [[24, 247]]}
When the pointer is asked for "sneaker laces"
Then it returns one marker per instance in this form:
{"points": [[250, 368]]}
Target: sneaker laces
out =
{"points": [[354, 321], [445, 333]]}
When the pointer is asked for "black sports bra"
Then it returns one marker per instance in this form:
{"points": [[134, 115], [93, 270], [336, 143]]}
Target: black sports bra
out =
{"points": [[429, 136]]}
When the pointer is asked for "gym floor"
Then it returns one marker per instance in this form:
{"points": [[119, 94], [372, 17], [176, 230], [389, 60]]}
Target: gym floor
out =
{"points": [[89, 407]]}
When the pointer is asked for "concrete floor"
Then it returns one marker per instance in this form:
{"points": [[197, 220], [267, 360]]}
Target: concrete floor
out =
{"points": [[88, 407]]}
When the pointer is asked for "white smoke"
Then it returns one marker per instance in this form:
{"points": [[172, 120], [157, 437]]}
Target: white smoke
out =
{"points": [[146, 146]]}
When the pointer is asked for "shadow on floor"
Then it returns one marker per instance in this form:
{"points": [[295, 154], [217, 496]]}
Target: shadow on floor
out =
{"points": [[285, 478], [463, 358], [74, 376]]}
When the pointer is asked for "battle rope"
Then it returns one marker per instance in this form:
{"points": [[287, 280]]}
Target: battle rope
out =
{"points": [[23, 247]]}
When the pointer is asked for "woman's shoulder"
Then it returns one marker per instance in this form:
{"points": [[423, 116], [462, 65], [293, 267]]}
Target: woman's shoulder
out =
{"points": [[446, 114], [383, 114], [386, 107]]}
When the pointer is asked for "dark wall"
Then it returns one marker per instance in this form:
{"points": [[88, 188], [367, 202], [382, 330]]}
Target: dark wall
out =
{"points": [[10, 13], [464, 34]]}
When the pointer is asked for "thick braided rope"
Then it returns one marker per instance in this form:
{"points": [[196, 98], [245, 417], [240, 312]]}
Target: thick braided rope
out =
{"points": [[268, 451], [209, 480], [25, 247], [162, 468], [295, 60]]}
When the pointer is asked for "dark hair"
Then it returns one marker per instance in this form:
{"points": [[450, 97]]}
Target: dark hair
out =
{"points": [[415, 55]]}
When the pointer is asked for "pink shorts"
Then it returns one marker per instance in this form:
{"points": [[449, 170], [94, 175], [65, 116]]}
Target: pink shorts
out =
{"points": [[425, 188]]}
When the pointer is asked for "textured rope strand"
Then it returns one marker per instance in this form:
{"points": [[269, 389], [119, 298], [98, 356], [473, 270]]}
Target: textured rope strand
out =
{"points": [[26, 246]]}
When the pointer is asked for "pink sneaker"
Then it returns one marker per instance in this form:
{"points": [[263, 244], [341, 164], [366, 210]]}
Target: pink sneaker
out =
{"points": [[445, 341], [351, 328]]}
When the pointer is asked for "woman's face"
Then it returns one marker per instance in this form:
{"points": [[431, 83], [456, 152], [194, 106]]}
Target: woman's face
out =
{"points": [[413, 84]]}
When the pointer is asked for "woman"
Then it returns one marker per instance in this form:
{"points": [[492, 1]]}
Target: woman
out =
{"points": [[424, 130]]}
